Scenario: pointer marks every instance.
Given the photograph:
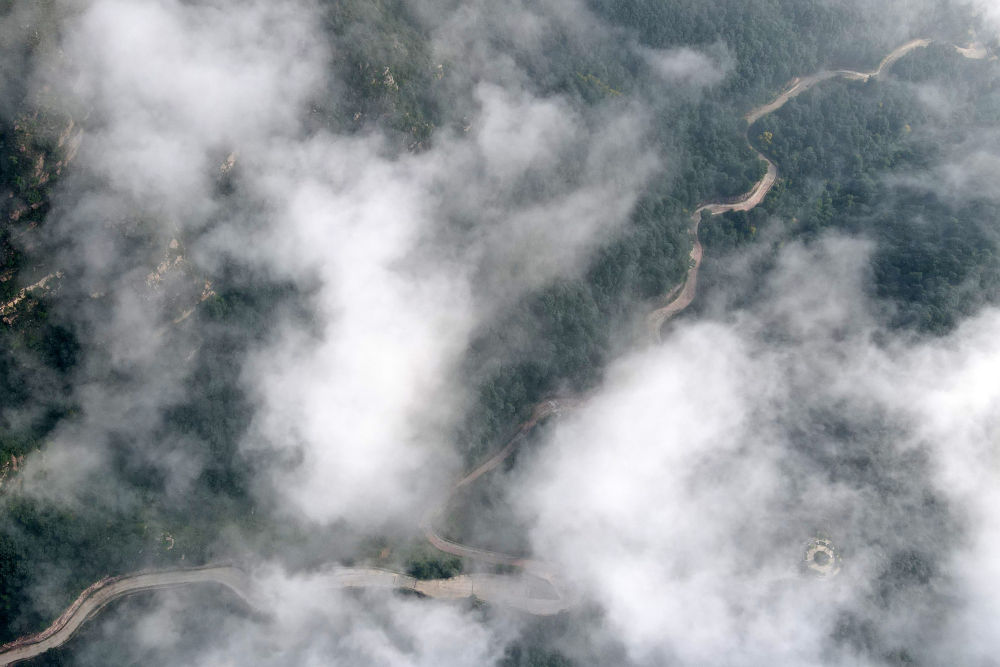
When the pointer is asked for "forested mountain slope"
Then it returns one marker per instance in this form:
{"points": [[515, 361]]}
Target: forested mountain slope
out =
{"points": [[141, 321]]}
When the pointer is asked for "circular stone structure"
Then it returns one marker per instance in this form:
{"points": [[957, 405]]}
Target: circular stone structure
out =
{"points": [[821, 558]]}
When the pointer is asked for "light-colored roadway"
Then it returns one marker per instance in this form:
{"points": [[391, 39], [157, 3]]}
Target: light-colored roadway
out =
{"points": [[100, 594], [517, 592], [656, 319]]}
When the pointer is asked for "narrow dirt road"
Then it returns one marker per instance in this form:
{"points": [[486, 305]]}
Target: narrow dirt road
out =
{"points": [[801, 85], [797, 86], [540, 569], [658, 317]]}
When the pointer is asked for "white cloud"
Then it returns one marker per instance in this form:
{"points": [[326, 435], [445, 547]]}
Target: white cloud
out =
{"points": [[680, 498], [688, 67], [361, 402], [679, 501]]}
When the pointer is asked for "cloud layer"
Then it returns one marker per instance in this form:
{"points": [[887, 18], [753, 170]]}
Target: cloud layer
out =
{"points": [[681, 499], [678, 503]]}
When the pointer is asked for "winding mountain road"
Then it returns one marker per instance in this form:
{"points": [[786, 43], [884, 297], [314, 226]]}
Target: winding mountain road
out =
{"points": [[518, 593], [539, 569], [656, 319], [801, 85], [537, 590], [105, 591]]}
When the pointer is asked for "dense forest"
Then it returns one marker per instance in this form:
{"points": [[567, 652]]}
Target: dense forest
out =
{"points": [[834, 146]]}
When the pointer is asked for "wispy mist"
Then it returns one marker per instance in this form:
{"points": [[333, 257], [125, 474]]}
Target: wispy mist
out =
{"points": [[676, 502]]}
